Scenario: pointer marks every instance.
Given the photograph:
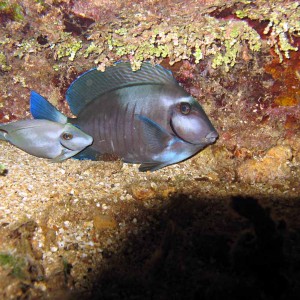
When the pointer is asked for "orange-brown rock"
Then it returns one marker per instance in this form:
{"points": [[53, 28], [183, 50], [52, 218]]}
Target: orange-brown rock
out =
{"points": [[273, 166], [102, 222]]}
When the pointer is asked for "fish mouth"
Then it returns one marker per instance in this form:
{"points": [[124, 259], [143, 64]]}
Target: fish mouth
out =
{"points": [[211, 137]]}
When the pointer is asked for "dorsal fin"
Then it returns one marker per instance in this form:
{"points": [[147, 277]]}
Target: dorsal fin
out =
{"points": [[94, 83]]}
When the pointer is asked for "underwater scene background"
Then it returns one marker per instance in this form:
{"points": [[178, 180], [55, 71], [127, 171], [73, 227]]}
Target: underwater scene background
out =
{"points": [[224, 223]]}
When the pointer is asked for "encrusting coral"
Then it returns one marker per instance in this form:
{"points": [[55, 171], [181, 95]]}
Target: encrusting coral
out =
{"points": [[188, 33]]}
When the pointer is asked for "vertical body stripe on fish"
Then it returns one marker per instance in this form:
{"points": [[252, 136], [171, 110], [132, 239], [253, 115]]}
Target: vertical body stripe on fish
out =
{"points": [[124, 125], [132, 128], [117, 134]]}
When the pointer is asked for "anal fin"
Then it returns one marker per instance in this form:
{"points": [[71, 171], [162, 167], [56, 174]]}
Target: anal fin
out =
{"points": [[153, 166]]}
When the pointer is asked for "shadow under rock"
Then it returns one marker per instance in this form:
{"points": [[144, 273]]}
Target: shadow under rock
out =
{"points": [[205, 249]]}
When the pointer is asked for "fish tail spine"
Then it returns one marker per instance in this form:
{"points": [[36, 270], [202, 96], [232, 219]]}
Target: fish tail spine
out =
{"points": [[3, 135]]}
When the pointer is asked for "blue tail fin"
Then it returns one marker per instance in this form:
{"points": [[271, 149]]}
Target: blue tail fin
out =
{"points": [[40, 108]]}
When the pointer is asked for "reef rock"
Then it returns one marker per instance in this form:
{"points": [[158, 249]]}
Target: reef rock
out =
{"points": [[273, 166]]}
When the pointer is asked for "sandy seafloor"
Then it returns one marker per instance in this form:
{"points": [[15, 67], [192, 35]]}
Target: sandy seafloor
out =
{"points": [[104, 230]]}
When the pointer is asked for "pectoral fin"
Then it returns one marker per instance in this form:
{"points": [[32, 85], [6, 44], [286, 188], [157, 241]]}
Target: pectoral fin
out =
{"points": [[157, 137]]}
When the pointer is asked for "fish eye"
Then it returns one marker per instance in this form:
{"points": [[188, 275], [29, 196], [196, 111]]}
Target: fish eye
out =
{"points": [[67, 136], [185, 108]]}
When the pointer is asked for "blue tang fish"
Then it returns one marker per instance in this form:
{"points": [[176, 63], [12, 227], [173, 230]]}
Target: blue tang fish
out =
{"points": [[142, 116], [44, 138]]}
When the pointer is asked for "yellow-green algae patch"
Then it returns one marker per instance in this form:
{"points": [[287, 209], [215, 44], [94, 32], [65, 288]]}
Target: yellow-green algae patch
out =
{"points": [[4, 66], [67, 47], [13, 11], [235, 32], [283, 26], [180, 41], [140, 35]]}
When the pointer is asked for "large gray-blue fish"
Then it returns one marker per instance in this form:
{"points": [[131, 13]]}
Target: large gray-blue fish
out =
{"points": [[44, 138], [143, 117]]}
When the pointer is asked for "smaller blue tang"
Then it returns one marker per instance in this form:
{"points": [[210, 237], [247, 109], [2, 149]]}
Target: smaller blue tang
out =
{"points": [[46, 139], [142, 117]]}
